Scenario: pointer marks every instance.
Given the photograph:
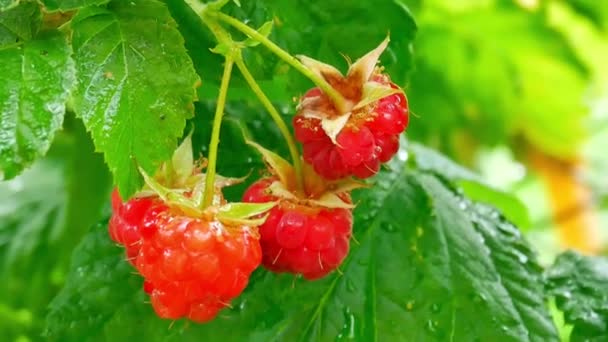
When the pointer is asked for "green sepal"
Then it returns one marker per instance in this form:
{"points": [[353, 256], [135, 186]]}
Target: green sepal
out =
{"points": [[278, 166], [242, 213], [374, 91], [223, 48], [182, 162], [173, 197], [264, 30]]}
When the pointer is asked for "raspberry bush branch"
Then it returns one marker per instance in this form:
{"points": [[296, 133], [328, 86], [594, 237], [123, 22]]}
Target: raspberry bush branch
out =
{"points": [[337, 99], [226, 41], [274, 113], [215, 133]]}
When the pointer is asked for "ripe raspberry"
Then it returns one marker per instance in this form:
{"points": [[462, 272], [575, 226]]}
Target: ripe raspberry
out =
{"points": [[126, 223], [301, 239], [193, 267], [369, 138]]}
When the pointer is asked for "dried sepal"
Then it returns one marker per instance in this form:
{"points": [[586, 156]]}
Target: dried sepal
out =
{"points": [[279, 167], [328, 72], [363, 68]]}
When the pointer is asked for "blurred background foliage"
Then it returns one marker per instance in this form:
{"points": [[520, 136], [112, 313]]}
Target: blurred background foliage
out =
{"points": [[515, 90]]}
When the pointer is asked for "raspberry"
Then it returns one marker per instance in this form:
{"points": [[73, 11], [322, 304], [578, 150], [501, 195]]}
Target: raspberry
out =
{"points": [[301, 239], [127, 220], [192, 266], [370, 137]]}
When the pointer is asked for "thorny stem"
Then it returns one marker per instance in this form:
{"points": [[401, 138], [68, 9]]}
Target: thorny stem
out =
{"points": [[215, 133], [274, 113], [338, 100]]}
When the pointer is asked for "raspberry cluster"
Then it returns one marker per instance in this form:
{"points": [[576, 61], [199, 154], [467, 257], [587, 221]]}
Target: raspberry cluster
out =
{"points": [[193, 267], [300, 239], [196, 256], [370, 137]]}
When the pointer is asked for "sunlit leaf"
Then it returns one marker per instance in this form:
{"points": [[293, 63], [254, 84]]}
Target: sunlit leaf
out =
{"points": [[135, 85]]}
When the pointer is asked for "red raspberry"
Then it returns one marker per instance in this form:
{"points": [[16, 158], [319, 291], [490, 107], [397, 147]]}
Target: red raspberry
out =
{"points": [[312, 241], [194, 267], [371, 137], [127, 220]]}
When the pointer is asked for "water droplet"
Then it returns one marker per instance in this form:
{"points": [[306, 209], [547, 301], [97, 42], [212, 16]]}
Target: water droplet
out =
{"points": [[348, 329], [410, 305], [402, 155], [242, 305], [350, 285], [520, 256], [419, 231], [389, 227]]}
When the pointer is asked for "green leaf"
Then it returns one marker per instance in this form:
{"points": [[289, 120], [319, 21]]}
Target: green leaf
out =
{"points": [[35, 80], [327, 30], [508, 204], [580, 287], [135, 85], [533, 66], [8, 4], [44, 212], [90, 295], [428, 265], [66, 5], [20, 23], [473, 186]]}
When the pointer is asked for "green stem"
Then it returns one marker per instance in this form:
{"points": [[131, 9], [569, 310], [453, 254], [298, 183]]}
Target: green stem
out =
{"points": [[274, 113], [215, 133], [338, 100]]}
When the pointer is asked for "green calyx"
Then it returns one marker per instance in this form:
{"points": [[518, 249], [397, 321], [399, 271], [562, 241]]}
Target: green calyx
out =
{"points": [[180, 183], [317, 191]]}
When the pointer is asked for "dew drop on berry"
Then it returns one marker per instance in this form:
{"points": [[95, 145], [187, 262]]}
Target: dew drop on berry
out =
{"points": [[291, 230], [389, 145]]}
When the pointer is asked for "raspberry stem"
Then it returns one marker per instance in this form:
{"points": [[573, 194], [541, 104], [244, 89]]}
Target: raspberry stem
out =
{"points": [[337, 99], [215, 133], [274, 113]]}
